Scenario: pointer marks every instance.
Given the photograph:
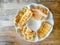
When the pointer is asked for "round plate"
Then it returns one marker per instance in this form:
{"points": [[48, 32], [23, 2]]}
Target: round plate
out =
{"points": [[37, 24]]}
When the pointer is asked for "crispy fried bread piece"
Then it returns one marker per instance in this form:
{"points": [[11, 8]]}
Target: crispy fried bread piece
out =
{"points": [[28, 34], [27, 15], [39, 13], [45, 28]]}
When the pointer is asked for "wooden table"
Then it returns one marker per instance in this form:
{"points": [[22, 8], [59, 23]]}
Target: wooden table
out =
{"points": [[9, 35]]}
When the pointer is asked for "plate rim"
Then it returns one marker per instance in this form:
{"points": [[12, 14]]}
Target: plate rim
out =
{"points": [[47, 33]]}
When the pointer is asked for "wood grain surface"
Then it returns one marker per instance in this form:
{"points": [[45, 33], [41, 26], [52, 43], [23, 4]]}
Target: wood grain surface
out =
{"points": [[8, 34]]}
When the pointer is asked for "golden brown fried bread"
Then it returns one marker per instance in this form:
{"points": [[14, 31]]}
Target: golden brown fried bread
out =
{"points": [[18, 17], [23, 17], [27, 33], [27, 15], [44, 29], [39, 13]]}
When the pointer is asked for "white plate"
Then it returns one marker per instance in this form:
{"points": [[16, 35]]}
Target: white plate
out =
{"points": [[37, 24]]}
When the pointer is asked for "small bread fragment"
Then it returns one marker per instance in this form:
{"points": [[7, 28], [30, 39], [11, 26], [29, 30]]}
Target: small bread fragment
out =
{"points": [[44, 29], [18, 17]]}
